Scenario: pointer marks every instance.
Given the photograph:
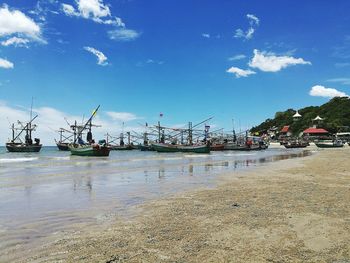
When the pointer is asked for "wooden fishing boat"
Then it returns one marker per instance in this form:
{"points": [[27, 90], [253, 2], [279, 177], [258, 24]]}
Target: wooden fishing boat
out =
{"points": [[120, 147], [62, 146], [295, 144], [80, 148], [16, 144], [217, 147], [22, 147], [164, 147], [329, 144], [144, 148], [89, 150]]}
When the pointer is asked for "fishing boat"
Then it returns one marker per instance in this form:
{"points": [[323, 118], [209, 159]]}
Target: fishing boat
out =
{"points": [[295, 144], [217, 147], [164, 147], [64, 140], [17, 144], [329, 144], [111, 142], [80, 148], [98, 150]]}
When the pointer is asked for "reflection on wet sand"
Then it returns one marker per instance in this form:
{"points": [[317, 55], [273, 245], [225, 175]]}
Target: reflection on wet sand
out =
{"points": [[48, 195]]}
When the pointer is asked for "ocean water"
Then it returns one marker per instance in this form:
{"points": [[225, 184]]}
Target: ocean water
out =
{"points": [[44, 194]]}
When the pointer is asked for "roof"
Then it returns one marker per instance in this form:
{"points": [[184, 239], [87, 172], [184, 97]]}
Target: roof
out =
{"points": [[315, 130], [318, 118], [285, 129], [297, 115]]}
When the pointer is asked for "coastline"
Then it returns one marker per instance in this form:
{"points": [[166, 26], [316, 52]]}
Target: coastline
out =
{"points": [[293, 210]]}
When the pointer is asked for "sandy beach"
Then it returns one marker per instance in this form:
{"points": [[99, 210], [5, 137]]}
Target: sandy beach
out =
{"points": [[294, 210]]}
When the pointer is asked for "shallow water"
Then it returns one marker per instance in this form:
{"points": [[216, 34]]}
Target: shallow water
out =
{"points": [[45, 193]]}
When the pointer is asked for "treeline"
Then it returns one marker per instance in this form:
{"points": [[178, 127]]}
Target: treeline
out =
{"points": [[335, 114]]}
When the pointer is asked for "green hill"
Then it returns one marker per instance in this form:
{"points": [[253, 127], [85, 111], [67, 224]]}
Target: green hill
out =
{"points": [[336, 115]]}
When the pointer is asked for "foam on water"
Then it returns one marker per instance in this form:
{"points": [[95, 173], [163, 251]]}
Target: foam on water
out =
{"points": [[18, 160]]}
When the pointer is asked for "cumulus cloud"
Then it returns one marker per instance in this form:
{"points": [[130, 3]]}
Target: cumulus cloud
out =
{"points": [[94, 10], [101, 58], [240, 72], [15, 41], [16, 23], [269, 62], [122, 116], [321, 91], [237, 57], [248, 34], [5, 64], [123, 34]]}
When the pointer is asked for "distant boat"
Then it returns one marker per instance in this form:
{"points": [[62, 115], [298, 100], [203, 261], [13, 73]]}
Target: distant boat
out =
{"points": [[329, 144], [217, 147], [78, 147], [295, 144], [17, 144], [89, 150], [62, 146], [164, 147]]}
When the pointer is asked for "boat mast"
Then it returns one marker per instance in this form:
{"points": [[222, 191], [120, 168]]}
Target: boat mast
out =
{"points": [[158, 131], [29, 126], [190, 133], [13, 132]]}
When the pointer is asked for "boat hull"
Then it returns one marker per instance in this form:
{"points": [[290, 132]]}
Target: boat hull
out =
{"points": [[325, 145], [245, 148], [120, 148], [62, 146], [144, 148], [89, 150], [16, 147], [181, 148], [217, 147]]}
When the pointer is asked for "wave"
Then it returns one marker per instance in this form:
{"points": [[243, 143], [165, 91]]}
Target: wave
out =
{"points": [[18, 160]]}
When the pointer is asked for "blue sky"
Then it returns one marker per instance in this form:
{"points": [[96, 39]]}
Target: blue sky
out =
{"points": [[187, 59]]}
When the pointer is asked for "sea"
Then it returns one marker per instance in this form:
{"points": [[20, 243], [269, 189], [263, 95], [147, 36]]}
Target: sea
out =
{"points": [[49, 193]]}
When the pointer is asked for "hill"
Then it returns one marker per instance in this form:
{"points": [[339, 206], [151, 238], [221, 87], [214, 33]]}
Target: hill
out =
{"points": [[336, 115]]}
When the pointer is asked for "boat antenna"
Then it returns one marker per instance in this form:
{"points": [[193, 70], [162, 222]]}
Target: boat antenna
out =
{"points": [[31, 109]]}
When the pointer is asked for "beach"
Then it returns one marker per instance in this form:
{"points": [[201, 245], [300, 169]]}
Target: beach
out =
{"points": [[294, 210]]}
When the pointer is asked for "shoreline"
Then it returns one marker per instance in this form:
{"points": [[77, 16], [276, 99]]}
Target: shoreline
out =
{"points": [[290, 210]]}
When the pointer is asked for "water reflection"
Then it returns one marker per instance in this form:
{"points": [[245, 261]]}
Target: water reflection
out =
{"points": [[56, 189]]}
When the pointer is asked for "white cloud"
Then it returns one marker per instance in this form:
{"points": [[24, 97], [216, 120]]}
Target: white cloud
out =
{"points": [[237, 57], [122, 116], [253, 19], [240, 72], [101, 58], [14, 22], [94, 10], [344, 81], [321, 91], [123, 34], [16, 41], [69, 10], [248, 34], [206, 35], [269, 62], [5, 64]]}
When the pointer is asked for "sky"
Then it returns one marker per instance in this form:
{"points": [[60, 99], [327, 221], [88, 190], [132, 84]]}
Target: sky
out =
{"points": [[189, 60]]}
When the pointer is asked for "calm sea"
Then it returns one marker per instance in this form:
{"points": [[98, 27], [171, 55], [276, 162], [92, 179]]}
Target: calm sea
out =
{"points": [[44, 194]]}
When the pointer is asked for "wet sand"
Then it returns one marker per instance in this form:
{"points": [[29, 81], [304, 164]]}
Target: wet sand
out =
{"points": [[295, 210]]}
